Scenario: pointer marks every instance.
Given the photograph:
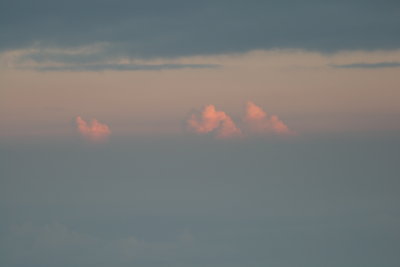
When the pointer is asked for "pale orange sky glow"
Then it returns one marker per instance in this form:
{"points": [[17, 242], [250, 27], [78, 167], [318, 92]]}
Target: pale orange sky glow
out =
{"points": [[302, 88]]}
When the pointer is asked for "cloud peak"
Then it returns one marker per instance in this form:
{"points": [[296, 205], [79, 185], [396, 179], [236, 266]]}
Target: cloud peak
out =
{"points": [[93, 131], [258, 122], [255, 122], [212, 120]]}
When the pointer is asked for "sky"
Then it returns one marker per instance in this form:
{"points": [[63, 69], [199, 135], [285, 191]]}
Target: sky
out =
{"points": [[199, 133]]}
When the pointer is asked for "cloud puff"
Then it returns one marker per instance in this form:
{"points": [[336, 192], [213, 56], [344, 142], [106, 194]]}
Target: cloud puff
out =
{"points": [[95, 131], [212, 120], [256, 121], [259, 122]]}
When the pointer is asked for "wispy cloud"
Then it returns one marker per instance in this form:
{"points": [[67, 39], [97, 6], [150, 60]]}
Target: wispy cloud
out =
{"points": [[92, 58], [125, 67], [362, 65], [93, 131], [212, 120]]}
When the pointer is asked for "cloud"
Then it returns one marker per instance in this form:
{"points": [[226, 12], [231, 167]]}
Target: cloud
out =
{"points": [[125, 67], [259, 122], [212, 120], [362, 65], [256, 121], [176, 28], [95, 131], [90, 58]]}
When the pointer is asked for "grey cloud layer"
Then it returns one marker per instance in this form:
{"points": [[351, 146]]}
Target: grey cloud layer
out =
{"points": [[145, 29]]}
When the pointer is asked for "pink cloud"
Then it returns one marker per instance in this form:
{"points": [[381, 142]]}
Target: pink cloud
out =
{"points": [[259, 122], [212, 120], [95, 131]]}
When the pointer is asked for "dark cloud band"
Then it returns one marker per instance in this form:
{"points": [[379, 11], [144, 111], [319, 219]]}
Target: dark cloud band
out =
{"points": [[158, 28]]}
